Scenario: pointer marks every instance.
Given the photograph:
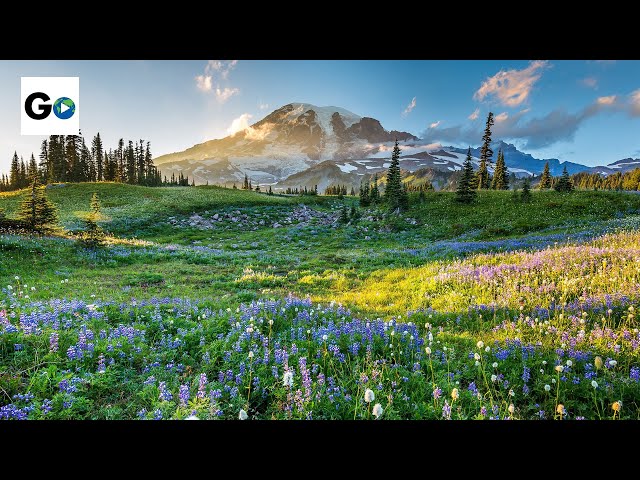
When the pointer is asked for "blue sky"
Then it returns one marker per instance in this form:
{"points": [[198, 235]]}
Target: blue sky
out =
{"points": [[582, 111]]}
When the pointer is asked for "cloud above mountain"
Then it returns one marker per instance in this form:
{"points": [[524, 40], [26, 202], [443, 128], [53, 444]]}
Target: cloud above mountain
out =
{"points": [[215, 71], [511, 87], [556, 126]]}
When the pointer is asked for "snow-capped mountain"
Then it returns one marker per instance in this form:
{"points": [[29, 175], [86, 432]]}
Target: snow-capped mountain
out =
{"points": [[287, 141], [622, 166], [302, 144]]}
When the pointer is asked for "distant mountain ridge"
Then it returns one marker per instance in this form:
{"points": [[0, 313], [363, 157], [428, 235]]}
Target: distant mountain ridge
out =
{"points": [[302, 144]]}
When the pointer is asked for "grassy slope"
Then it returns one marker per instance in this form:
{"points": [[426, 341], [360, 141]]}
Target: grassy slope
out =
{"points": [[326, 263]]}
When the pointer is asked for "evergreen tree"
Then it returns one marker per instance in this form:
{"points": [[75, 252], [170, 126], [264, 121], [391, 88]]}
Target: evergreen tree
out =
{"points": [[564, 184], [395, 193], [500, 174], [72, 158], [36, 210], [545, 179], [270, 192], [57, 158], [485, 155], [525, 196], [46, 170], [245, 185], [14, 172], [375, 192], [97, 152], [466, 191], [88, 166], [365, 200], [130, 159], [32, 169], [93, 235]]}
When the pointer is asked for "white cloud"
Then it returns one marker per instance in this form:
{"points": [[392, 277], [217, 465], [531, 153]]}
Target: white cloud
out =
{"points": [[214, 71], [610, 100], [225, 94], [556, 126], [203, 82], [635, 103], [591, 82], [410, 107], [263, 106], [501, 117], [435, 124], [433, 146], [240, 123], [223, 67], [511, 87], [474, 115]]}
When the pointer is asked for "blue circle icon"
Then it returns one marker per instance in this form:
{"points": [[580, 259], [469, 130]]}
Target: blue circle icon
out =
{"points": [[64, 108]]}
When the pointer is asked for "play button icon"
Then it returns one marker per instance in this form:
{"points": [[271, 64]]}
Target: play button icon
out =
{"points": [[64, 108]]}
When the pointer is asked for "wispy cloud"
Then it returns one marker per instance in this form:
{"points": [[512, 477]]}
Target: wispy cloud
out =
{"points": [[263, 106], [223, 67], [240, 123], [474, 115], [511, 87], [410, 107], [203, 82], [590, 82], [558, 125], [610, 100], [634, 103], [214, 72], [435, 124], [226, 93]]}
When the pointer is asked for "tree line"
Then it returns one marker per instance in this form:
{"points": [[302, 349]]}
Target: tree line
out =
{"points": [[69, 159]]}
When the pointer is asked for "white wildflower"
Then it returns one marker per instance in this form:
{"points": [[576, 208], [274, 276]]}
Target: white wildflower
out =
{"points": [[243, 415], [569, 363], [480, 344], [476, 356], [192, 417], [369, 396], [512, 408], [547, 387], [494, 364], [428, 350], [377, 410], [594, 384], [494, 378], [287, 379]]}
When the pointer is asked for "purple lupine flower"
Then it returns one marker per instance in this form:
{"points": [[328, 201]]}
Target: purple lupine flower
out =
{"points": [[202, 385], [165, 395], [142, 413], [437, 393], [526, 374], [215, 394], [184, 395], [634, 374], [46, 406], [472, 388], [157, 414], [101, 367], [483, 411], [446, 410], [53, 342]]}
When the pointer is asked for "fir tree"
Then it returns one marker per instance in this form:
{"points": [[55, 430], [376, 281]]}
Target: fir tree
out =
{"points": [[500, 174], [485, 154], [46, 170], [564, 184], [525, 196], [394, 194], [93, 236], [36, 210], [14, 172], [545, 179], [365, 200], [375, 191], [97, 152], [466, 191]]}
